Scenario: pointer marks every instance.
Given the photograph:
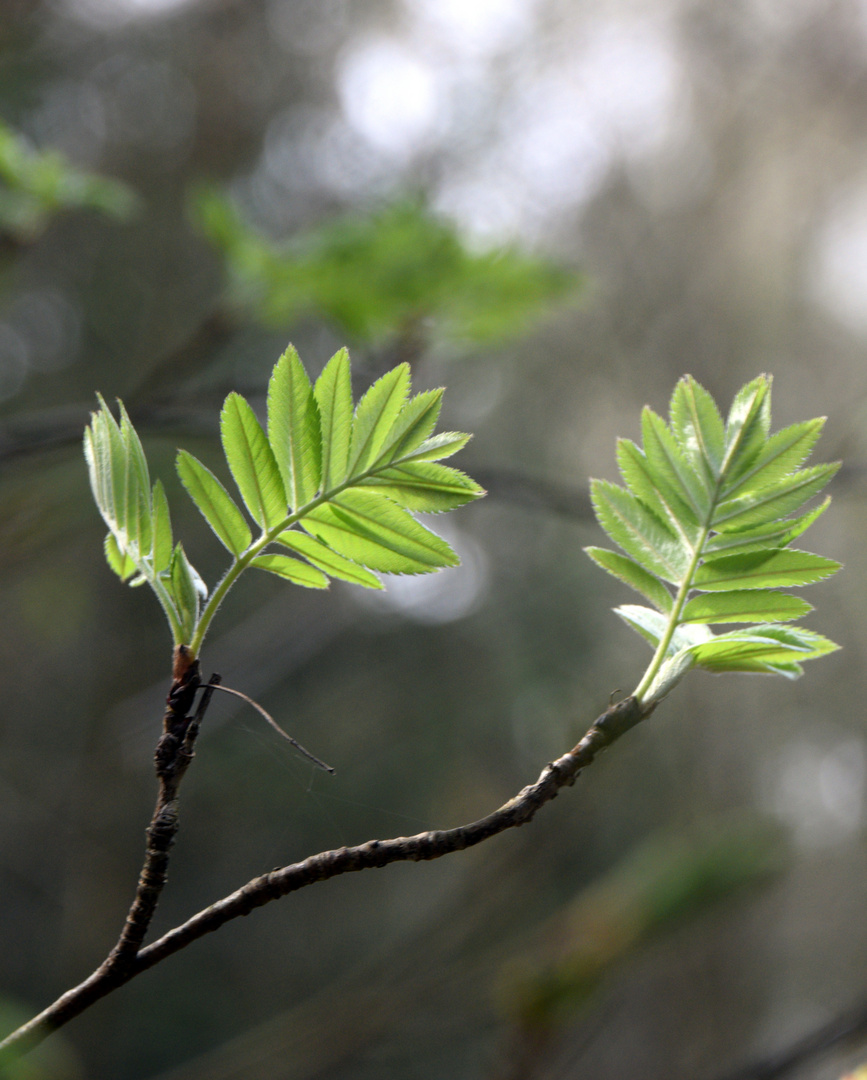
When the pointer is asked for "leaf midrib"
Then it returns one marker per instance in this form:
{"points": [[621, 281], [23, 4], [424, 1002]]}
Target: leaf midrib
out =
{"points": [[685, 586]]}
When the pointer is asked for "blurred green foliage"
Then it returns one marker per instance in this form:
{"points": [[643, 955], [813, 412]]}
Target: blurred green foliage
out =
{"points": [[381, 274], [658, 886], [37, 184], [53, 1060]]}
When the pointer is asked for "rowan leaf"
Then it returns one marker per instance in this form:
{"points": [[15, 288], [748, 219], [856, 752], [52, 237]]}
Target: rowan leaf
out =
{"points": [[333, 391], [628, 570], [252, 463], [707, 512], [294, 570], [334, 487], [778, 568], [424, 486], [328, 561], [294, 429], [639, 532], [372, 531], [214, 503], [375, 418]]}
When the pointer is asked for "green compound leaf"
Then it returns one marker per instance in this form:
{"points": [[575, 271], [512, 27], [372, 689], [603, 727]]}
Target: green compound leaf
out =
{"points": [[139, 545], [336, 487], [251, 461], [706, 512], [214, 503]]}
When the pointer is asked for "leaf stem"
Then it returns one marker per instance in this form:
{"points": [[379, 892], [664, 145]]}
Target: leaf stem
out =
{"points": [[674, 617]]}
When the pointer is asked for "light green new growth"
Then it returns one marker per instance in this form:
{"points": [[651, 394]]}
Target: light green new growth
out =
{"points": [[704, 523], [333, 486]]}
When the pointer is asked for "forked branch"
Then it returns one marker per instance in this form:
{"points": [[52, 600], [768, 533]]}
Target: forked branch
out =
{"points": [[613, 723]]}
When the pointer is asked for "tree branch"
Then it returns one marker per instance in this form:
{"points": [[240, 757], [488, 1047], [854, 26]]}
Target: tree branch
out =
{"points": [[614, 722], [847, 1026]]}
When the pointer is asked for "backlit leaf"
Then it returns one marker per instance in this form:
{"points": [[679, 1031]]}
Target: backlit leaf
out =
{"points": [[775, 501], [638, 531], [327, 560], [435, 448], [121, 563], [670, 468], [333, 392], [698, 427], [706, 511], [424, 486], [747, 426], [214, 502], [753, 605], [162, 549], [294, 430], [375, 418], [372, 531], [778, 568], [628, 570], [415, 424], [252, 463], [294, 570]]}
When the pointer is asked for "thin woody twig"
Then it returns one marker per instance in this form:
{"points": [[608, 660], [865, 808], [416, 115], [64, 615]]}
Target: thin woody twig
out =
{"points": [[614, 722]]}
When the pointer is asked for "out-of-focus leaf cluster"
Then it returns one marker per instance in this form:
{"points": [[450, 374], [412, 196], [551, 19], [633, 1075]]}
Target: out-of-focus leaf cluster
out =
{"points": [[382, 274], [658, 886], [36, 185]]}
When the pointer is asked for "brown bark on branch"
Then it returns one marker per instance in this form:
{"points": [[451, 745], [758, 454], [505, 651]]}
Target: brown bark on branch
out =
{"points": [[563, 772]]}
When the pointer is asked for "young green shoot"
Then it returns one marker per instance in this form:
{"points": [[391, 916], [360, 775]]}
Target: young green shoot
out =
{"points": [[704, 522], [332, 485]]}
